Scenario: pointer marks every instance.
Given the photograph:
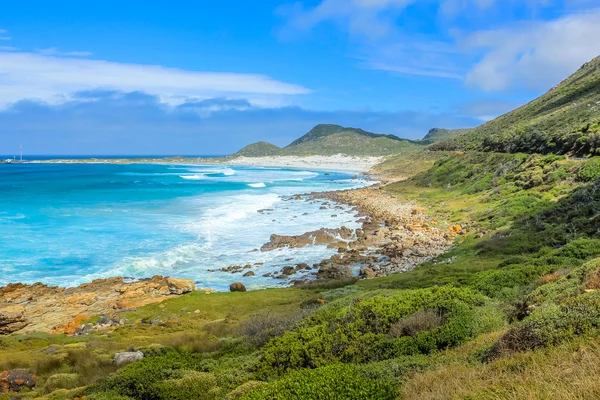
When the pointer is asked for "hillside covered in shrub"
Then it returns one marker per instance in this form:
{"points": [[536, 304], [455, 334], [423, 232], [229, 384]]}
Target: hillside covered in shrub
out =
{"points": [[566, 120]]}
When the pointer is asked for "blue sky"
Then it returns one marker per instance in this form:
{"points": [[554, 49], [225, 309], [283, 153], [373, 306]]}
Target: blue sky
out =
{"points": [[209, 77]]}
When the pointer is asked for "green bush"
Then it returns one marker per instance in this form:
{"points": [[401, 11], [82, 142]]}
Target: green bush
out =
{"points": [[589, 171], [190, 385], [339, 382], [357, 330], [107, 396], [552, 324], [138, 380], [61, 381]]}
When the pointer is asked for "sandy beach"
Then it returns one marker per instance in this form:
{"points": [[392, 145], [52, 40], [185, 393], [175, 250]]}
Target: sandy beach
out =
{"points": [[338, 162]]}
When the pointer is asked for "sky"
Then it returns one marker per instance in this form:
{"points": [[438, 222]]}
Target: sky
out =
{"points": [[204, 77]]}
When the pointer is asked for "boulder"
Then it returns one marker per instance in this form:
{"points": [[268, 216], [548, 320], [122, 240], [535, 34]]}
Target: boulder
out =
{"points": [[15, 380], [288, 271], [237, 287], [180, 285], [249, 273], [367, 273], [127, 357], [329, 270]]}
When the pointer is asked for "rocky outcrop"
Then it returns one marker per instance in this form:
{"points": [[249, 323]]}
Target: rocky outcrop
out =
{"points": [[324, 236], [42, 308], [16, 380], [329, 270], [12, 319], [127, 357]]}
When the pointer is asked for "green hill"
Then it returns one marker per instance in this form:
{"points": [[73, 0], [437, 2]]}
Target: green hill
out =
{"points": [[437, 134], [328, 139], [351, 143], [258, 149], [324, 130], [566, 120]]}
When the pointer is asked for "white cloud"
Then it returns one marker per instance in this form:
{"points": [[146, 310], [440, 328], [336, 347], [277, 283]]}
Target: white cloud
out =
{"points": [[53, 51], [8, 48], [414, 56], [361, 17], [52, 79], [534, 55]]}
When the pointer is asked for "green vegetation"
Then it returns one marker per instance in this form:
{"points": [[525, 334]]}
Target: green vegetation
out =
{"points": [[258, 149], [437, 134], [564, 120]]}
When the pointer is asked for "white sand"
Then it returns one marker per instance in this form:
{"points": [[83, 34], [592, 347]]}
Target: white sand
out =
{"points": [[338, 162]]}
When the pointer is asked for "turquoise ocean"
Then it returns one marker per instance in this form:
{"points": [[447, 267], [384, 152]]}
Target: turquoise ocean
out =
{"points": [[67, 224]]}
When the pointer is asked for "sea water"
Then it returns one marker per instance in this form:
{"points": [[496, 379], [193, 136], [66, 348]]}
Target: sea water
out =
{"points": [[67, 224]]}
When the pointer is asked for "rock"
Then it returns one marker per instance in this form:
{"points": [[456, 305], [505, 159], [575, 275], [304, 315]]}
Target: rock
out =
{"points": [[15, 380], [180, 286], [367, 273], [329, 270], [288, 271], [12, 319], [301, 266], [84, 329], [237, 287], [127, 357], [249, 273]]}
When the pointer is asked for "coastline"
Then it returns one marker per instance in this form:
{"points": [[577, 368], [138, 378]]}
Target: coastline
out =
{"points": [[394, 237], [338, 162]]}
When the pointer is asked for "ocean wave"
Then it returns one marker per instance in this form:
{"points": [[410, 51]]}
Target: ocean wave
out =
{"points": [[195, 177], [257, 185]]}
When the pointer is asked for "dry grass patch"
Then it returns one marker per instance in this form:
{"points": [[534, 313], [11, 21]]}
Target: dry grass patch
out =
{"points": [[569, 372]]}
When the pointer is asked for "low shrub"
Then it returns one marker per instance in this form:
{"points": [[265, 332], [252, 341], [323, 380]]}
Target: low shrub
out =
{"points": [[420, 321], [190, 385], [358, 329], [61, 381], [244, 389], [261, 328], [552, 324], [589, 171], [138, 380], [338, 382]]}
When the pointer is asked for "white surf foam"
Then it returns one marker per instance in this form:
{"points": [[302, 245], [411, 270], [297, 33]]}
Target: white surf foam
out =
{"points": [[195, 177], [257, 185]]}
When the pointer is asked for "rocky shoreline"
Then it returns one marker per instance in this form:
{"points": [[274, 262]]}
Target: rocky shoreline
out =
{"points": [[51, 309], [394, 237]]}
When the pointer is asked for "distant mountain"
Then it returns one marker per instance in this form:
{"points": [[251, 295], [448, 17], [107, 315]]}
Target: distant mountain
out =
{"points": [[324, 130], [258, 149], [564, 120], [326, 139], [437, 134]]}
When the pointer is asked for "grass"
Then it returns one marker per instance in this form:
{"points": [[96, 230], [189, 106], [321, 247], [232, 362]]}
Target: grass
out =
{"points": [[570, 372]]}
